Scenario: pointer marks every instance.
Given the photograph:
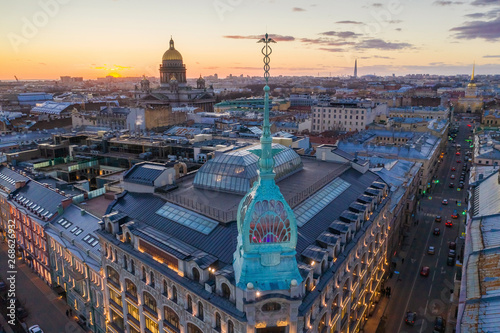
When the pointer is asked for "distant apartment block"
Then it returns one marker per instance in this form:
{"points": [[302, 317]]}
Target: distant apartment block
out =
{"points": [[345, 115]]}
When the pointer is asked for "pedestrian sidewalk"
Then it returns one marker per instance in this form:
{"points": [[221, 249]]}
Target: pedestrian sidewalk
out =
{"points": [[5, 325], [376, 322]]}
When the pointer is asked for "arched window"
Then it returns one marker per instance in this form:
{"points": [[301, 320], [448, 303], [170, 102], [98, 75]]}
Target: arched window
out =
{"points": [[165, 287], [306, 285], [171, 317], [132, 266], [230, 326], [322, 323], [125, 263], [189, 303], [192, 328], [130, 288], [150, 301], [113, 275], [226, 292], [271, 306], [152, 279], [196, 274], [174, 294], [201, 315], [217, 321]]}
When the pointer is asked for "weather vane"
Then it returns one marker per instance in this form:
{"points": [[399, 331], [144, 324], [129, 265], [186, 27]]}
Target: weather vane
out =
{"points": [[266, 51]]}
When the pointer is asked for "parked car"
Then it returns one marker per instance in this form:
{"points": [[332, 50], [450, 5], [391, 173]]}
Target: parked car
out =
{"points": [[35, 329], [452, 245], [450, 261], [452, 254], [439, 324], [411, 317]]}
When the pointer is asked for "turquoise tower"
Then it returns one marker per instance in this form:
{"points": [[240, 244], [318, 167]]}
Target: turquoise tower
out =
{"points": [[267, 229]]}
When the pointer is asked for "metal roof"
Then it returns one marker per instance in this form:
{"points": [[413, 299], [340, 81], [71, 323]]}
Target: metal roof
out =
{"points": [[487, 196], [9, 177], [35, 192], [143, 207], [144, 173], [51, 107]]}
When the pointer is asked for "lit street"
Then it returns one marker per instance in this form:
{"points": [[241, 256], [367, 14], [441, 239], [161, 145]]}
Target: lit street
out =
{"points": [[429, 296]]}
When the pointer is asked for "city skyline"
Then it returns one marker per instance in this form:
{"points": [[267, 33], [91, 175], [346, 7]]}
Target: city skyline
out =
{"points": [[52, 38]]}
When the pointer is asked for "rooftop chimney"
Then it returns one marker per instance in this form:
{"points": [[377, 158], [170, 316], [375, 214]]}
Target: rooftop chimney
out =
{"points": [[20, 183]]}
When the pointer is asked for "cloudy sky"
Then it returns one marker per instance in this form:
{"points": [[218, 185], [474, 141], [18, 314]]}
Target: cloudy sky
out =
{"points": [[95, 38]]}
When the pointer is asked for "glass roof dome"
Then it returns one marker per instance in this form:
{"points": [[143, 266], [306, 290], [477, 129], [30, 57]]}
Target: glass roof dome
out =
{"points": [[235, 172]]}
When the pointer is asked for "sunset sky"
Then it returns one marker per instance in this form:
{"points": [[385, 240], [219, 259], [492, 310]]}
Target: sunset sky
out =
{"points": [[44, 39]]}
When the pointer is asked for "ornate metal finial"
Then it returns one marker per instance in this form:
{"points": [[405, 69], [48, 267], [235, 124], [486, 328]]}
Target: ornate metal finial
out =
{"points": [[266, 51]]}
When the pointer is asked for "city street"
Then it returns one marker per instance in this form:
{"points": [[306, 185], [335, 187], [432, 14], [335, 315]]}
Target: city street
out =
{"points": [[429, 296], [43, 305]]}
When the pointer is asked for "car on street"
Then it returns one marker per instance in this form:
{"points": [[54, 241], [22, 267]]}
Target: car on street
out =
{"points": [[448, 223], [452, 185], [458, 161], [452, 254], [35, 329], [438, 218], [437, 231], [453, 169], [439, 324], [444, 202], [425, 271], [452, 245], [455, 214], [461, 185], [457, 153], [452, 176], [411, 317], [430, 250], [450, 261]]}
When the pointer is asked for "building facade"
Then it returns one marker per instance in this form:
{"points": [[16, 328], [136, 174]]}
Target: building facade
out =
{"points": [[75, 262], [345, 115]]}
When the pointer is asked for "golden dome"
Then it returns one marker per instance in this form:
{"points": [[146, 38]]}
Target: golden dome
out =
{"points": [[172, 53]]}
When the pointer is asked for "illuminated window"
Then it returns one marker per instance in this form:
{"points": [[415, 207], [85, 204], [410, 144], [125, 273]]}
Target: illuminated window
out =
{"points": [[133, 311], [150, 301], [130, 288], [117, 298], [171, 317], [151, 325]]}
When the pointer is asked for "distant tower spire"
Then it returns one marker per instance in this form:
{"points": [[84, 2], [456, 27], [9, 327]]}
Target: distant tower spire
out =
{"points": [[267, 230], [355, 68], [473, 69]]}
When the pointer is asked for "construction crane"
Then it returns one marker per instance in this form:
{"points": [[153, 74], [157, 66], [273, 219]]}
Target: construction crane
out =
{"points": [[16, 78]]}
